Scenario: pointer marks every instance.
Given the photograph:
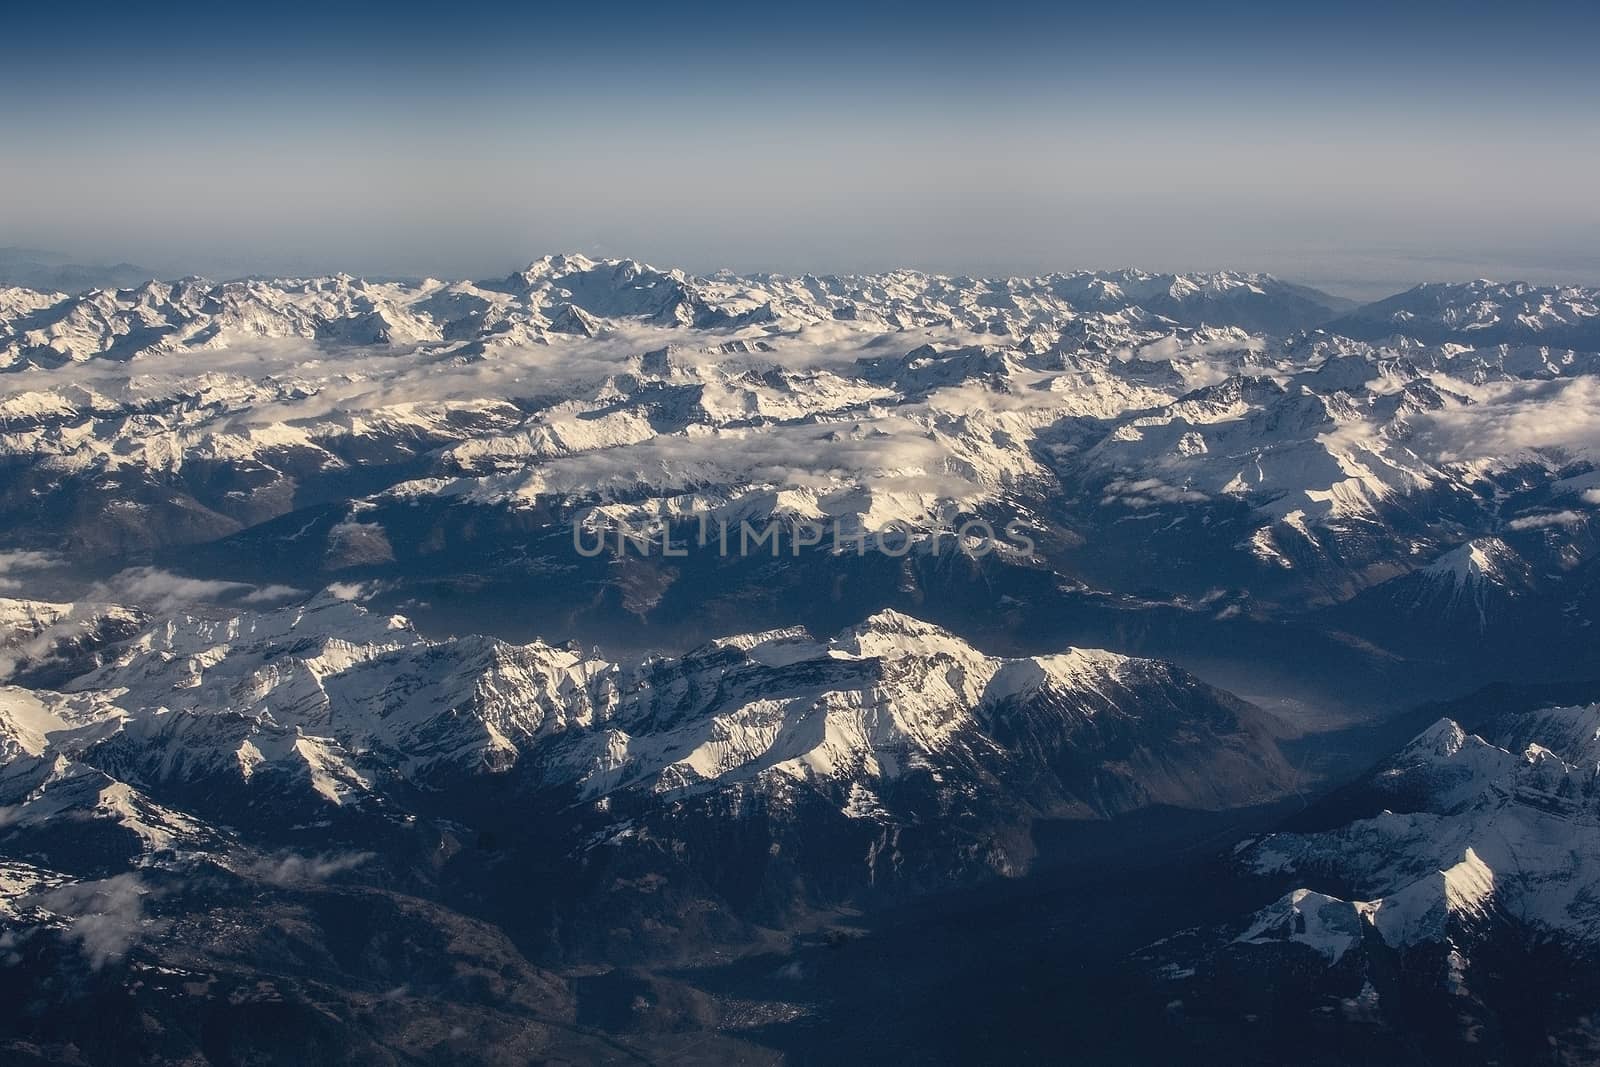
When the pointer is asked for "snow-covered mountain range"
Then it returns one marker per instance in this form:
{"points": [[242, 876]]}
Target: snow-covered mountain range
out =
{"points": [[299, 612], [1460, 896], [574, 295], [318, 754], [268, 431], [324, 706]]}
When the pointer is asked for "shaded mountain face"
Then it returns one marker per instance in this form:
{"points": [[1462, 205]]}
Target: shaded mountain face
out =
{"points": [[1482, 312], [315, 818], [892, 727], [42, 643], [1453, 914], [398, 657]]}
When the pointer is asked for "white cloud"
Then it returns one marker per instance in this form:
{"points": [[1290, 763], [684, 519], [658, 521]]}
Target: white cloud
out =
{"points": [[16, 566], [270, 594], [1516, 417], [1553, 518], [292, 869], [107, 917], [163, 591], [887, 452]]}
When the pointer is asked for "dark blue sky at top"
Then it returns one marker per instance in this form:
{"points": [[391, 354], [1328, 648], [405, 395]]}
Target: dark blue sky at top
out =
{"points": [[1337, 142]]}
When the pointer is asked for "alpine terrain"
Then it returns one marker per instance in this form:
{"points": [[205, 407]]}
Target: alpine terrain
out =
{"points": [[606, 663]]}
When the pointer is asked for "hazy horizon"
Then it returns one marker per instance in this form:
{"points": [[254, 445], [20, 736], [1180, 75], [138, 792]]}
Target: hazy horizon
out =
{"points": [[1349, 275], [1358, 151]]}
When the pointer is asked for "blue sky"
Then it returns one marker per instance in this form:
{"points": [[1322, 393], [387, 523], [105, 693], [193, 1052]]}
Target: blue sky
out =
{"points": [[1350, 147]]}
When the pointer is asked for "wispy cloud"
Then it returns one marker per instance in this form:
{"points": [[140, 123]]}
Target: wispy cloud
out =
{"points": [[1518, 417], [163, 591], [17, 567], [1553, 518], [105, 917], [293, 869]]}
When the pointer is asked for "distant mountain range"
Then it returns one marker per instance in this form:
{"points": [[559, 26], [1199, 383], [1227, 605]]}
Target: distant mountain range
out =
{"points": [[34, 268], [336, 426]]}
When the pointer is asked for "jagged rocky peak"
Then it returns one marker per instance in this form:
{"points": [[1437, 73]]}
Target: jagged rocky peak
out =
{"points": [[1481, 560], [1482, 312], [583, 296], [1476, 844], [342, 701]]}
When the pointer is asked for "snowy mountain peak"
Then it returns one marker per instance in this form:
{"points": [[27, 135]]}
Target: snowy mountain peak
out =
{"points": [[335, 705], [1485, 559]]}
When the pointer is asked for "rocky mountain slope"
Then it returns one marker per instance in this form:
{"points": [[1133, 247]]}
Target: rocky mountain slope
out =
{"points": [[373, 641], [1457, 910], [331, 425], [314, 817], [322, 706]]}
